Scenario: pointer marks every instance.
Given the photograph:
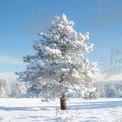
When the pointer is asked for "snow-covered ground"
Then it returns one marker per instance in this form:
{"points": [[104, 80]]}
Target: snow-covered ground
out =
{"points": [[79, 110]]}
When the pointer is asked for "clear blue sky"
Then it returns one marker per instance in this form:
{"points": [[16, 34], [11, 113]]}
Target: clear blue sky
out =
{"points": [[21, 20]]}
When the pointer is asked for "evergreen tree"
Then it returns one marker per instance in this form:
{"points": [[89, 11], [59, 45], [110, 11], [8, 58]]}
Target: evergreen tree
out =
{"points": [[59, 65], [18, 89], [111, 91], [5, 89]]}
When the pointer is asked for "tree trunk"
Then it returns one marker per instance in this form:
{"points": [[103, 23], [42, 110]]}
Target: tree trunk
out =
{"points": [[63, 102]]}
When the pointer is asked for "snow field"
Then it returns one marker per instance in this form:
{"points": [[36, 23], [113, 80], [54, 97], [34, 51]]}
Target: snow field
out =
{"points": [[79, 110]]}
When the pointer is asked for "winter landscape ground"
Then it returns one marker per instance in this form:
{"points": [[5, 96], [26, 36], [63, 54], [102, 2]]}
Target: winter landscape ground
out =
{"points": [[79, 110]]}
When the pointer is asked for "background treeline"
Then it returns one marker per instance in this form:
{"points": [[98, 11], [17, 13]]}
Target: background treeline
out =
{"points": [[19, 89]]}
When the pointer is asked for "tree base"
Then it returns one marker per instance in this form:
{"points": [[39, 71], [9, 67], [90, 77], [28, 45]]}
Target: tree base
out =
{"points": [[63, 102]]}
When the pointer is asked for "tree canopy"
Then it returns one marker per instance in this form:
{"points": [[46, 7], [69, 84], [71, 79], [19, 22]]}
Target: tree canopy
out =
{"points": [[59, 66]]}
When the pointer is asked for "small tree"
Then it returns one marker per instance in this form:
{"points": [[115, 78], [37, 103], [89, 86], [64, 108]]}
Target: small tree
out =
{"points": [[101, 88], [5, 89], [111, 91], [119, 92], [18, 89], [59, 64]]}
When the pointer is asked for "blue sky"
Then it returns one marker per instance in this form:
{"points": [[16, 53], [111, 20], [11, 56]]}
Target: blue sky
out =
{"points": [[21, 20]]}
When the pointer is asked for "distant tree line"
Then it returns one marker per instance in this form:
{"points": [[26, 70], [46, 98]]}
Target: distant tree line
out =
{"points": [[11, 90], [19, 89], [109, 90]]}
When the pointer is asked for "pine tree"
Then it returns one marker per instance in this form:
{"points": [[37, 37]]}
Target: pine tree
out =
{"points": [[5, 89], [18, 90], [59, 65], [111, 91], [101, 88]]}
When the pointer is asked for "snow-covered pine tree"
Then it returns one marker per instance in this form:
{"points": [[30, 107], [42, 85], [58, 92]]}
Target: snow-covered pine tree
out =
{"points": [[5, 89], [101, 88], [111, 91], [59, 65], [18, 90]]}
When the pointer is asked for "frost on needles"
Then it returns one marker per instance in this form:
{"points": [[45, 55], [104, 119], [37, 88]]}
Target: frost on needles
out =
{"points": [[59, 65]]}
